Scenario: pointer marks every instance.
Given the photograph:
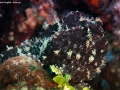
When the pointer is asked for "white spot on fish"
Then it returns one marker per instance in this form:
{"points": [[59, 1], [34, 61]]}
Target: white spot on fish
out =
{"points": [[27, 48], [54, 36], [88, 74], [56, 52], [73, 27], [9, 48], [98, 19], [59, 26], [57, 33], [95, 64], [19, 50], [45, 25], [1, 55], [78, 56], [102, 51], [91, 59], [82, 27], [98, 70], [44, 57], [93, 43], [75, 46], [88, 31], [69, 42], [69, 54], [87, 43], [78, 69], [106, 42], [67, 28], [94, 51], [82, 18], [89, 40]]}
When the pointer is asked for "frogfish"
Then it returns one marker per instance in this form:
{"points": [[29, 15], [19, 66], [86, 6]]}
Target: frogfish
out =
{"points": [[75, 44]]}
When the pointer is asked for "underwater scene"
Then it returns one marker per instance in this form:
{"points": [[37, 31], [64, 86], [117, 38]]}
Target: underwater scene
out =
{"points": [[59, 44]]}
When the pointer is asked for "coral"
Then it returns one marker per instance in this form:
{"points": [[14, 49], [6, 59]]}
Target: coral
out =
{"points": [[24, 71], [45, 10]]}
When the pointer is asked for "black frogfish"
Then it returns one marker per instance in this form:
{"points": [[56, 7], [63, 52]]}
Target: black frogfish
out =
{"points": [[75, 44]]}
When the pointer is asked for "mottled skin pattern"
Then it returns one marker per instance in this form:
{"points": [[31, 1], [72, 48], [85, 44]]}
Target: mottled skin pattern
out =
{"points": [[75, 44]]}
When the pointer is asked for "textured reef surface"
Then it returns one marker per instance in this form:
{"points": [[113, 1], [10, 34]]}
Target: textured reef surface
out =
{"points": [[75, 44], [24, 71]]}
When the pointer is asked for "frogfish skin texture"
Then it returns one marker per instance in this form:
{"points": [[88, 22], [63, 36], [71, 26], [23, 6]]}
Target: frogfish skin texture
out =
{"points": [[75, 44]]}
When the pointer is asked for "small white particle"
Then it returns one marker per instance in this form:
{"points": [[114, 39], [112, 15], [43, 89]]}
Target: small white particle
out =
{"points": [[73, 27], [78, 56], [87, 43], [67, 28], [102, 51], [9, 48], [63, 65], [19, 50], [91, 59], [75, 46], [103, 62], [28, 53], [56, 52], [82, 19], [69, 54], [15, 76], [57, 33], [0, 15], [89, 36], [94, 52], [87, 19], [44, 57], [96, 64], [98, 70], [1, 55], [72, 66], [69, 42], [88, 31], [88, 74], [93, 43], [82, 27], [26, 42], [59, 26], [98, 19], [89, 40], [27, 48], [39, 61], [54, 36], [78, 69], [61, 69], [45, 25], [106, 42]]}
